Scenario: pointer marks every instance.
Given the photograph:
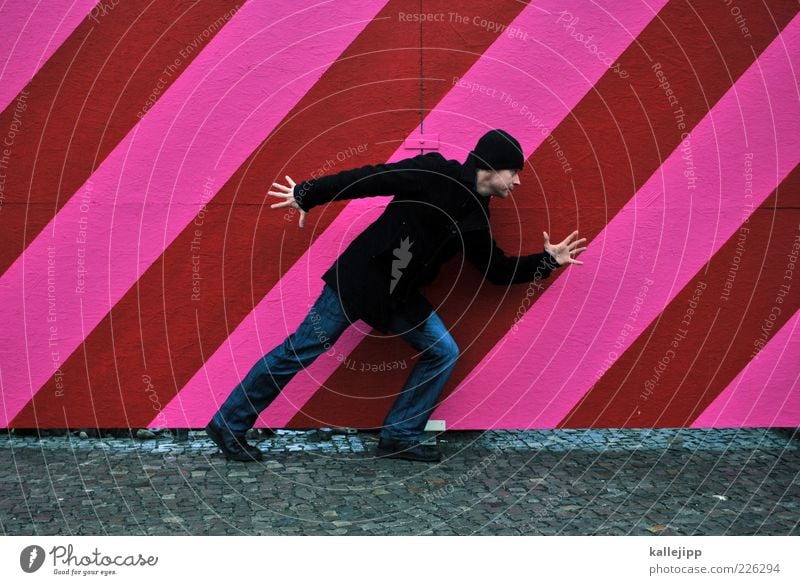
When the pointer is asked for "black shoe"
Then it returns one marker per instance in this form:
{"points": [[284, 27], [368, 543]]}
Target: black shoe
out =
{"points": [[411, 450], [233, 446]]}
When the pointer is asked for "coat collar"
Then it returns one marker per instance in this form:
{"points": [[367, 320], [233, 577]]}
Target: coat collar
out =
{"points": [[469, 178], [469, 172]]}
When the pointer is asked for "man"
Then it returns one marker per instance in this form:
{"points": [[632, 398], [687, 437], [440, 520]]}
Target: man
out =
{"points": [[440, 208]]}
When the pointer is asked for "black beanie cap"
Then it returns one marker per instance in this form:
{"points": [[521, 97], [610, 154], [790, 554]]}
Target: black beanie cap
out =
{"points": [[497, 150]]}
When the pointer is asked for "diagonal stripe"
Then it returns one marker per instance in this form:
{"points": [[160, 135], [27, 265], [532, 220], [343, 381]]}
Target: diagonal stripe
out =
{"points": [[503, 64], [155, 182], [614, 140], [30, 35], [575, 327], [709, 331], [765, 393], [86, 100]]}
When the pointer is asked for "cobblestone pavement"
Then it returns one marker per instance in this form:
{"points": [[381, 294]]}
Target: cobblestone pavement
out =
{"points": [[687, 482]]}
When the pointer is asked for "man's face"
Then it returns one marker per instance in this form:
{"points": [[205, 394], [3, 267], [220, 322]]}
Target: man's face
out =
{"points": [[500, 183]]}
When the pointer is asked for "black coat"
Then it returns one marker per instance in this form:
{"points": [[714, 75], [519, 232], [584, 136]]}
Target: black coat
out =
{"points": [[435, 214]]}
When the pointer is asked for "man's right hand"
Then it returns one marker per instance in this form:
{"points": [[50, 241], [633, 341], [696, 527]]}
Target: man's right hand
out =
{"points": [[286, 192]]}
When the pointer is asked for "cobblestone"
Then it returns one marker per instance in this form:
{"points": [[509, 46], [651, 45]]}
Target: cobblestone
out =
{"points": [[614, 482]]}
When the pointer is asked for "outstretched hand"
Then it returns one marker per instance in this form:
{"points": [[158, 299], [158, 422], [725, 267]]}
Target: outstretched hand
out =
{"points": [[565, 252], [286, 192]]}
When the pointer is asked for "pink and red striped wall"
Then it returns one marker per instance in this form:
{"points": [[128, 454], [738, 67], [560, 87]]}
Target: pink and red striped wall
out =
{"points": [[142, 271]]}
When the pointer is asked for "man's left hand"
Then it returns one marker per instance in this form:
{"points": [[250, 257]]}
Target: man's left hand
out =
{"points": [[566, 251]]}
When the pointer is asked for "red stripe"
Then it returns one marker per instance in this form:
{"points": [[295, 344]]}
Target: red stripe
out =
{"points": [[370, 96], [710, 331], [614, 143], [85, 100]]}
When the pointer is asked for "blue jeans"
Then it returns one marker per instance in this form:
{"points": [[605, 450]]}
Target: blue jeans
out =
{"points": [[323, 325]]}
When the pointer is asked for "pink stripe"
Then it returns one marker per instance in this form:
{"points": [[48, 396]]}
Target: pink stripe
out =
{"points": [[30, 35], [156, 180], [574, 327], [526, 68], [765, 393]]}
